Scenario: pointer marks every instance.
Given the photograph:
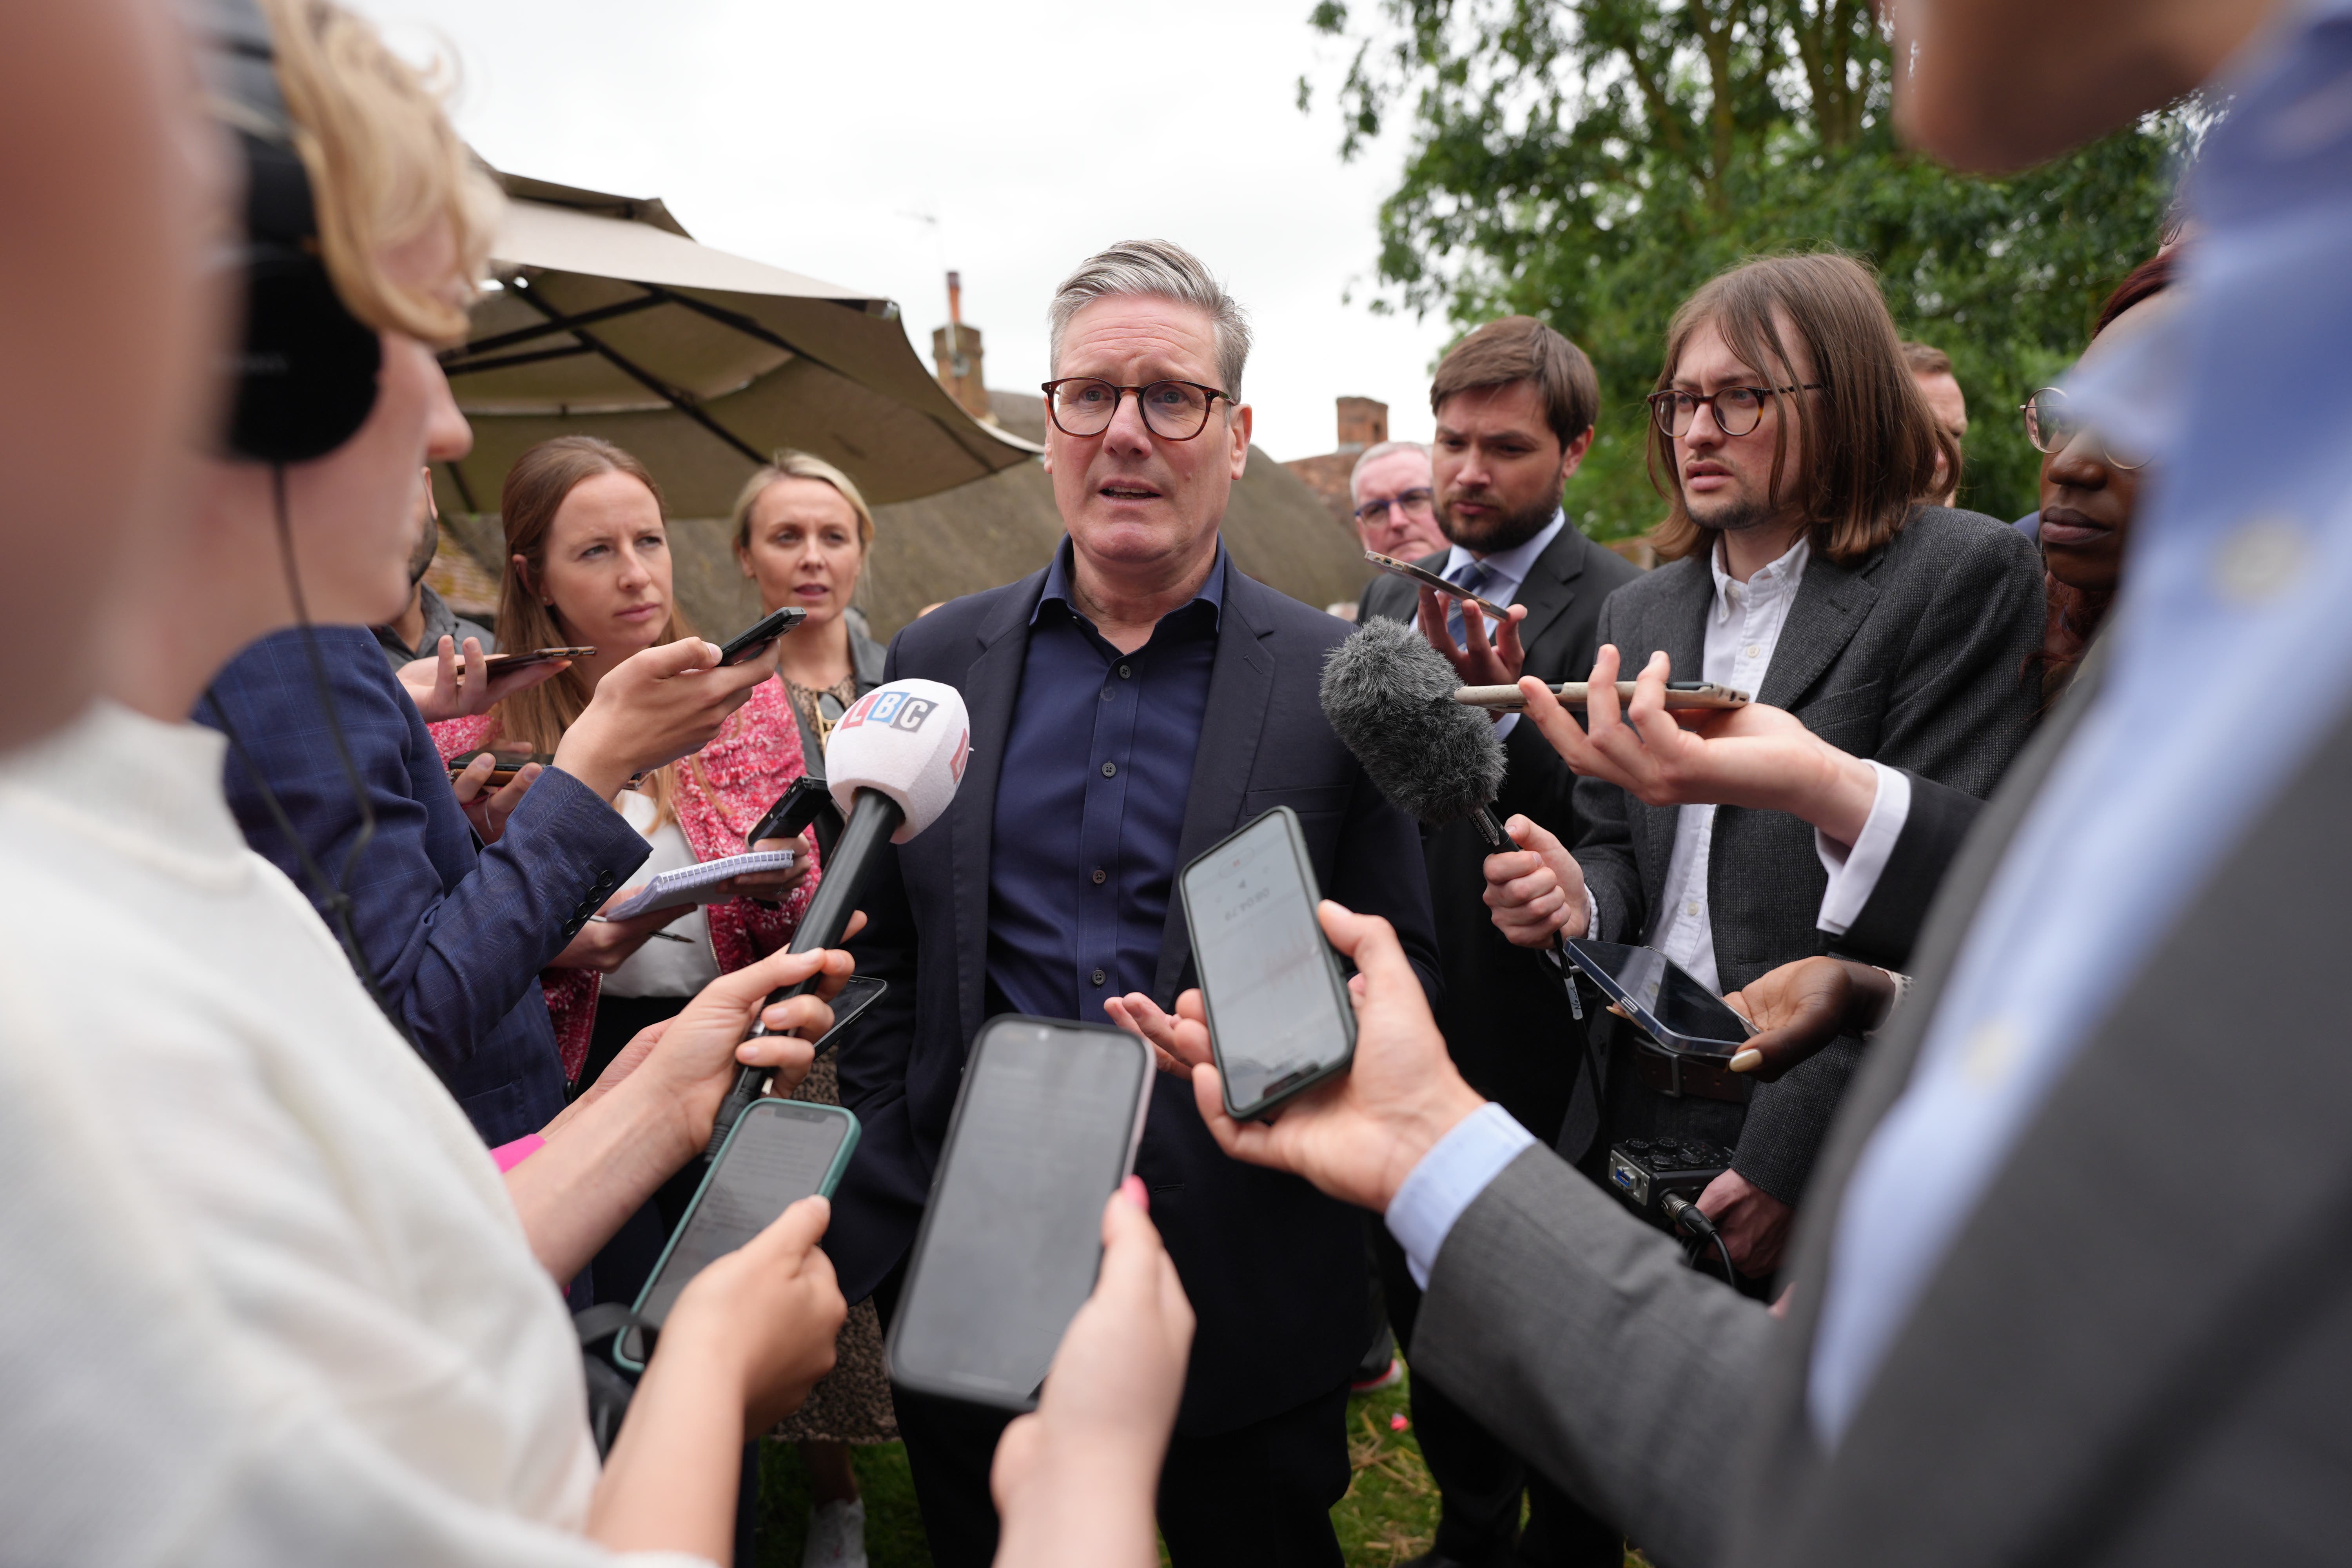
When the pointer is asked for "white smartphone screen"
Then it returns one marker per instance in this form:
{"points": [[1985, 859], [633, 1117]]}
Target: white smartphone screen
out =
{"points": [[1276, 1018]]}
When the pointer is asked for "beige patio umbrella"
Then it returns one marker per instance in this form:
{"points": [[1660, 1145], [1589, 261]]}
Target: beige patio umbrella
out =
{"points": [[611, 320]]}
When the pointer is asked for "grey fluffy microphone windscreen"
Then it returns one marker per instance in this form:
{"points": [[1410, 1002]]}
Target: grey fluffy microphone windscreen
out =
{"points": [[1389, 696]]}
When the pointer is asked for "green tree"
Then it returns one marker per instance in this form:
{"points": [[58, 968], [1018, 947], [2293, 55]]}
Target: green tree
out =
{"points": [[1592, 161]]}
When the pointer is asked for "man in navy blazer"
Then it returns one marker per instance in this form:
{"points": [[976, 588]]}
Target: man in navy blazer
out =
{"points": [[1132, 704]]}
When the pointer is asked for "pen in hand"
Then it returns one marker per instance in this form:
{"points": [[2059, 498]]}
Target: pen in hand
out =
{"points": [[665, 935]]}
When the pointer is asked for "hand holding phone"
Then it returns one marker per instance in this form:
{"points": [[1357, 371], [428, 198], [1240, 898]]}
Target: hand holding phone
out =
{"points": [[1278, 1013], [1045, 1130], [1661, 998], [1424, 578], [756, 638], [781, 1151]]}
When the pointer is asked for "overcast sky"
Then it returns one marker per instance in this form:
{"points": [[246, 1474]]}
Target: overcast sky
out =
{"points": [[807, 135]]}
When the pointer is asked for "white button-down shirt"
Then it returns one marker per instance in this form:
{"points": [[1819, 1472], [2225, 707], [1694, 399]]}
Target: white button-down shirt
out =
{"points": [[1742, 628]]}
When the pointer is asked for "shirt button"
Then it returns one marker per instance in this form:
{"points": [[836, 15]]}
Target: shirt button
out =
{"points": [[1106, 691], [1111, 770], [1099, 875], [1755, 650], [1691, 908], [1125, 673], [1098, 977]]}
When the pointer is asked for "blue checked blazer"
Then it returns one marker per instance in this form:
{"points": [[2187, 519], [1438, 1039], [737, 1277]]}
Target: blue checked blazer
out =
{"points": [[456, 932]]}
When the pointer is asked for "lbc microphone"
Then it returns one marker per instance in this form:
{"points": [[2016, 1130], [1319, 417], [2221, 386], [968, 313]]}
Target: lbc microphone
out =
{"points": [[893, 764], [1389, 696]]}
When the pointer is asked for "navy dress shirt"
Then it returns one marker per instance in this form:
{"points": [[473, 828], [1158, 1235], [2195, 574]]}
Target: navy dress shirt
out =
{"points": [[1091, 802], [457, 933]]}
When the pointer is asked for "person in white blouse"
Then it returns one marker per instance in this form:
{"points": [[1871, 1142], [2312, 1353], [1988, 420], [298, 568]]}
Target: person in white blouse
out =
{"points": [[272, 1301]]}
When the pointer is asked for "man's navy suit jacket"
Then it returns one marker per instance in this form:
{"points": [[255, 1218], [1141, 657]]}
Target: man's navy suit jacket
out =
{"points": [[457, 933], [1276, 1271]]}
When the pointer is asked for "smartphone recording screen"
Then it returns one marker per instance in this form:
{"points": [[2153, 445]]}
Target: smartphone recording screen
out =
{"points": [[781, 1152], [1276, 1016], [1663, 989], [1042, 1135]]}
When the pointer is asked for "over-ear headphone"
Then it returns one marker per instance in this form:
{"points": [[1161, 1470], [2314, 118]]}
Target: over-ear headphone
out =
{"points": [[306, 373]]}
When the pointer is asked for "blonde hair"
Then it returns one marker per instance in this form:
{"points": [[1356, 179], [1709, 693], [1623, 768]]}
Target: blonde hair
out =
{"points": [[788, 464], [534, 492], [386, 166]]}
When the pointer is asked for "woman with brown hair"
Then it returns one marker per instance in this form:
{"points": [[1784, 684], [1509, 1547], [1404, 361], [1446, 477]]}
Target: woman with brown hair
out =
{"points": [[801, 534], [588, 564]]}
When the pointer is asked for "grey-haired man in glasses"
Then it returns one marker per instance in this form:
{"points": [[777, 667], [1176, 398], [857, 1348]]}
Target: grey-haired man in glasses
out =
{"points": [[1134, 701]]}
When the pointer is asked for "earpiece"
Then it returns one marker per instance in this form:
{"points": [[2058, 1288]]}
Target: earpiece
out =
{"points": [[306, 373]]}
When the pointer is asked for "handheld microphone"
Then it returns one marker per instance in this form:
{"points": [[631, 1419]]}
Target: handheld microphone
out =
{"points": [[893, 764], [1390, 697]]}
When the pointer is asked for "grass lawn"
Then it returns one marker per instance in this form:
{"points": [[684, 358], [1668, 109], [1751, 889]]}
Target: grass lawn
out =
{"points": [[1388, 1516]]}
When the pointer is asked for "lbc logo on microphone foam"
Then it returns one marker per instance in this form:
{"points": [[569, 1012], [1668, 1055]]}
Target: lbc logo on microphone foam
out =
{"points": [[897, 710]]}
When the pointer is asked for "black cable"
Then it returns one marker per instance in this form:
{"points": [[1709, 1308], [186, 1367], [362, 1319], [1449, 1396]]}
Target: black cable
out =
{"points": [[1685, 1215], [334, 899]]}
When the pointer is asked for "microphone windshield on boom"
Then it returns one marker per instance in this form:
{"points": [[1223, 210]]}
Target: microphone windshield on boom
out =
{"points": [[1389, 696]]}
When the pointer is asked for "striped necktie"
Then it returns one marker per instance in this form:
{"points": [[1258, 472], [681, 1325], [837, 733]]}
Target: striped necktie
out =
{"points": [[1472, 575]]}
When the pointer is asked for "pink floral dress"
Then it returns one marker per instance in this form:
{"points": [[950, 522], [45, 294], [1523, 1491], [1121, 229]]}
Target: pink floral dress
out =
{"points": [[722, 792]]}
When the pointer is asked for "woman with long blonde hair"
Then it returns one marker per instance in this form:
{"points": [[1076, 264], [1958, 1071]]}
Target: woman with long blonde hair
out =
{"points": [[588, 564]]}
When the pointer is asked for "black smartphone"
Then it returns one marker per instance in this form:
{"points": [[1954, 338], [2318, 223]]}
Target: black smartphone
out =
{"points": [[1427, 579], [503, 767], [807, 804], [858, 993], [753, 640], [1662, 998], [1681, 695], [781, 1151], [1279, 1017], [499, 663], [1045, 1130]]}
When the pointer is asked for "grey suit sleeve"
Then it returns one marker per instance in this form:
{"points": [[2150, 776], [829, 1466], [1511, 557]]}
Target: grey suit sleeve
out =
{"points": [[1605, 849], [1575, 1334]]}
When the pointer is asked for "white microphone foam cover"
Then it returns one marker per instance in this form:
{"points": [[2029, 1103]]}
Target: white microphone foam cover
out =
{"points": [[909, 740]]}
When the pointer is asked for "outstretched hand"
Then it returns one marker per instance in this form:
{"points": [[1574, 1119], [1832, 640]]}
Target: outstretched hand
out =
{"points": [[445, 685], [1075, 1481], [1754, 755], [1477, 660], [1802, 1007], [1358, 1134]]}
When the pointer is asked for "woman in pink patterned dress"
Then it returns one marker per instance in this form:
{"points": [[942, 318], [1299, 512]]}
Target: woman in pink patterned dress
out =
{"points": [[588, 564]]}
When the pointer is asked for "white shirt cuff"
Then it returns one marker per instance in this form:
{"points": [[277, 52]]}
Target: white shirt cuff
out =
{"points": [[1448, 1179], [1592, 916], [1505, 725], [1855, 873]]}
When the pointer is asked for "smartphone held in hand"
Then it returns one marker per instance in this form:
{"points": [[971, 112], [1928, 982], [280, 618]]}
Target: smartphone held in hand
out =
{"points": [[1045, 1128], [780, 1151], [504, 765], [1280, 1019], [753, 640], [1661, 998]]}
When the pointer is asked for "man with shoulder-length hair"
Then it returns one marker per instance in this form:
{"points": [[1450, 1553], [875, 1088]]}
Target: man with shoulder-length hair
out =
{"points": [[1808, 567], [1133, 701]]}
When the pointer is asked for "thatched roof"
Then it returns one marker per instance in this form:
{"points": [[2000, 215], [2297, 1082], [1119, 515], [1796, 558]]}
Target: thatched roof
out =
{"points": [[997, 528]]}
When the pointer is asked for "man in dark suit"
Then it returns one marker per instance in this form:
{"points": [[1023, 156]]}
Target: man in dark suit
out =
{"points": [[1131, 703], [1805, 571], [453, 934], [1515, 403]]}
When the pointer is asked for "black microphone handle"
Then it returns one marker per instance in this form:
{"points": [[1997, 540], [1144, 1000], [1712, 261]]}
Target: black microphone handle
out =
{"points": [[873, 818]]}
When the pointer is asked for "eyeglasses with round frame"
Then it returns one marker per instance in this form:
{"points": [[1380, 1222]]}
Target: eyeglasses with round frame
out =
{"points": [[1417, 503], [1172, 410], [2052, 426], [1736, 410]]}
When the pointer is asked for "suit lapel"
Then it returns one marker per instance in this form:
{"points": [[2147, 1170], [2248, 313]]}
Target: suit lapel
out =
{"points": [[1550, 586], [990, 686], [1831, 601], [1241, 685]]}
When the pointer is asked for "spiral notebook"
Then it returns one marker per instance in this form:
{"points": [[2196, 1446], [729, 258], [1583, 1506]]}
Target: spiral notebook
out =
{"points": [[696, 884]]}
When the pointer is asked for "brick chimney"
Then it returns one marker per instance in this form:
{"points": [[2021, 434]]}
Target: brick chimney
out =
{"points": [[1364, 422], [955, 349]]}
